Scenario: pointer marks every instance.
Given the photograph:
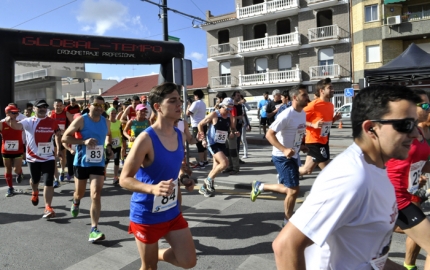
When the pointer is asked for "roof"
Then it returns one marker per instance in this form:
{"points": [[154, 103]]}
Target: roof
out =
{"points": [[143, 84]]}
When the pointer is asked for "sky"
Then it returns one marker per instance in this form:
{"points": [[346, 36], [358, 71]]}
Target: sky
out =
{"points": [[134, 19]]}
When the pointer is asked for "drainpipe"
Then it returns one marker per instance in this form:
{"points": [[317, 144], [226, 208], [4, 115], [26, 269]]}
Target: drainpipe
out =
{"points": [[351, 35]]}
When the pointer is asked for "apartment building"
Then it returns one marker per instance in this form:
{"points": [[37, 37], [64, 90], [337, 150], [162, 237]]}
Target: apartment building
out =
{"points": [[383, 29], [266, 45]]}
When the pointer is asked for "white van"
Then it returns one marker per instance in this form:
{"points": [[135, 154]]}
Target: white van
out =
{"points": [[345, 110]]}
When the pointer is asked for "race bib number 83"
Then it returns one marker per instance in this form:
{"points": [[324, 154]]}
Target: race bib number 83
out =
{"points": [[94, 155]]}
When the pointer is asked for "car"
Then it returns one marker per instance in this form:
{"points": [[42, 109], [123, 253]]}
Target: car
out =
{"points": [[345, 110], [209, 110]]}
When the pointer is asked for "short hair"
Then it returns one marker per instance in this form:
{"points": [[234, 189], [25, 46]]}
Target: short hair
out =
{"points": [[275, 92], [221, 95], [115, 102], [373, 103], [321, 84], [93, 98], [420, 92], [266, 93], [234, 93], [135, 98], [294, 91], [29, 105], [285, 93], [58, 100], [13, 104], [159, 92], [199, 93]]}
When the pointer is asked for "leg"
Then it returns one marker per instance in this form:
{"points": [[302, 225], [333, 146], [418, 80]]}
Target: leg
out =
{"points": [[290, 201], [244, 142], [220, 162], [308, 167], [182, 252], [70, 159], [8, 172], [96, 187], [48, 170], [148, 254], [80, 187], [17, 164], [412, 251], [322, 165]]}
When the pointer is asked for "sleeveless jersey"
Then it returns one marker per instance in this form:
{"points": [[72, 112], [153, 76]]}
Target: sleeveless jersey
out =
{"points": [[11, 140], [131, 113], [92, 157], [218, 133], [60, 118], [116, 135], [136, 128], [150, 209], [40, 134]]}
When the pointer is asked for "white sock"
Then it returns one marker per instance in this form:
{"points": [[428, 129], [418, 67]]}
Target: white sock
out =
{"points": [[261, 187]]}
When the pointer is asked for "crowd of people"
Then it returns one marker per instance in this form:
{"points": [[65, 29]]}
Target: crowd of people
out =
{"points": [[346, 222]]}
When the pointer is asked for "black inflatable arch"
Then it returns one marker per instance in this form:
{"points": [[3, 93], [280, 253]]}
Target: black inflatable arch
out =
{"points": [[18, 45]]}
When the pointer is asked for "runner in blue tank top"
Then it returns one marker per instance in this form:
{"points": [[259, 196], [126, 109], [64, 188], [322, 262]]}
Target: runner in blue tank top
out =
{"points": [[89, 160], [151, 171]]}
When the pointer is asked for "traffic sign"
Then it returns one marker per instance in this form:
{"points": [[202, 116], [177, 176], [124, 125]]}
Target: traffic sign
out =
{"points": [[349, 92]]}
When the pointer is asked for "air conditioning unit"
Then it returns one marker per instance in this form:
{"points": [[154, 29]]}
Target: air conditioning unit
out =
{"points": [[394, 20]]}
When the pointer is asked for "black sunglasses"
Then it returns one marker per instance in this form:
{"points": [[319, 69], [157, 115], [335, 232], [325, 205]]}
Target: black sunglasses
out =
{"points": [[406, 125]]}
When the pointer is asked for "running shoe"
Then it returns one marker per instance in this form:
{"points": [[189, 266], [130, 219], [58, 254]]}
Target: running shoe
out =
{"points": [[62, 177], [202, 190], [198, 166], [205, 163], [208, 193], [95, 236], [209, 184], [10, 192], [56, 183], [69, 177], [19, 178], [245, 157], [241, 161], [24, 163], [255, 190], [49, 213], [122, 162], [115, 182], [74, 210], [35, 198]]}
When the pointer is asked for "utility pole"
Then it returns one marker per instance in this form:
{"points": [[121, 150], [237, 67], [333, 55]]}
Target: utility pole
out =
{"points": [[165, 24]]}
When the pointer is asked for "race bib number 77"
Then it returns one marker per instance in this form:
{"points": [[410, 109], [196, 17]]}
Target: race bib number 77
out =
{"points": [[11, 145]]}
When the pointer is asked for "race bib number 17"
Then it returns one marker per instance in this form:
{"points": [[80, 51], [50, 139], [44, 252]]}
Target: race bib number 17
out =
{"points": [[45, 149]]}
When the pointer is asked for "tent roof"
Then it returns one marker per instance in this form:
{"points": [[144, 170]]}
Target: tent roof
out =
{"points": [[412, 64]]}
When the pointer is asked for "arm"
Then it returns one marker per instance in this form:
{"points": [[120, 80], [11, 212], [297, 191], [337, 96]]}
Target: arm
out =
{"points": [[69, 134], [189, 109], [271, 137], [189, 138], [69, 116], [66, 146], [13, 123], [125, 131], [124, 115], [204, 122], [58, 142], [119, 116]]}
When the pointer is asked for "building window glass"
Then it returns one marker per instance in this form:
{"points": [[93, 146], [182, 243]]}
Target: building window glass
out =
{"points": [[325, 57], [284, 62], [373, 54], [261, 65], [225, 73], [371, 13], [419, 12]]}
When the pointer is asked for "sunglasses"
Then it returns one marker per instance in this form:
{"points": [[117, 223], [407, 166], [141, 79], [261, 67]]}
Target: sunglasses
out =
{"points": [[13, 112], [406, 125], [424, 106], [98, 105], [42, 107]]}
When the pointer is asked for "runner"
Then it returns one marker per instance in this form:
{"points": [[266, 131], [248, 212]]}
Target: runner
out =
{"points": [[286, 135], [319, 119], [72, 109], [405, 176], [12, 149], [60, 115], [40, 132], [115, 131], [154, 210], [261, 112], [130, 112], [220, 123], [71, 151], [124, 106], [89, 160], [137, 125], [197, 112], [144, 100], [351, 210]]}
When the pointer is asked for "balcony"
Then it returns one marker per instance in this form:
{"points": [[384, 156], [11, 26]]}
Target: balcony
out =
{"points": [[270, 9], [222, 51], [329, 71], [409, 28], [280, 78], [326, 35], [223, 82], [318, 4], [269, 45]]}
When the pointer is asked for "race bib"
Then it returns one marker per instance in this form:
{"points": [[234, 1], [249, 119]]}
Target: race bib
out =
{"points": [[45, 149], [10, 145], [325, 129], [221, 136], [115, 142], [62, 126], [414, 175], [163, 203], [299, 139], [95, 154], [379, 263]]}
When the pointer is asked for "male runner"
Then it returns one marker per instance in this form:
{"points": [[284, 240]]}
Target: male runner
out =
{"points": [[72, 109], [286, 135], [351, 210], [319, 119], [154, 208], [89, 163], [60, 115], [261, 112], [197, 112], [130, 112], [40, 132]]}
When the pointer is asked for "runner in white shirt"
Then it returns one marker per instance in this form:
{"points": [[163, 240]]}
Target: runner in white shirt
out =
{"points": [[286, 135], [351, 210], [197, 112], [40, 132]]}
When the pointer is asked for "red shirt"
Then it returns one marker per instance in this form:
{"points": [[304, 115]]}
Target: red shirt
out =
{"points": [[11, 140], [131, 113], [61, 119], [73, 109], [405, 174]]}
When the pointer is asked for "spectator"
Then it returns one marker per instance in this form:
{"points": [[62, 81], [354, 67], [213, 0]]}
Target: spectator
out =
{"points": [[246, 126], [273, 106], [261, 113], [197, 112]]}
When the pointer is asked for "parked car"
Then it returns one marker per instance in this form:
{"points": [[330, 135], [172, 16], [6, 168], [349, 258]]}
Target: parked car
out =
{"points": [[345, 110]]}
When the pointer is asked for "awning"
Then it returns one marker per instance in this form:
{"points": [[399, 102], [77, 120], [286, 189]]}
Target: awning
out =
{"points": [[387, 2]]}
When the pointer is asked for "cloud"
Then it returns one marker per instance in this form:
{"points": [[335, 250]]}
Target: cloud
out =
{"points": [[101, 16], [196, 55]]}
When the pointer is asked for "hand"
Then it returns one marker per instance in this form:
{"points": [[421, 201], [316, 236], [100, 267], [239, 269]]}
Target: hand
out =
{"points": [[187, 181], [304, 148], [231, 135], [422, 181], [337, 116], [200, 136], [72, 151], [59, 153], [237, 133], [318, 124], [289, 152], [248, 128], [164, 188], [90, 142], [131, 139], [205, 143]]}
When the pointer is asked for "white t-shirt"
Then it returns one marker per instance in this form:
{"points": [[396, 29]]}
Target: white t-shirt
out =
{"points": [[290, 128], [198, 108], [352, 208]]}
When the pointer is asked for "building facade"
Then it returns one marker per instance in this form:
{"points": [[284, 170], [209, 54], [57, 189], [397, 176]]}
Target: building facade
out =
{"points": [[266, 45]]}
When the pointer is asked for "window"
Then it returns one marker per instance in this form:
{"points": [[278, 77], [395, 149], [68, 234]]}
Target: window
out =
{"points": [[283, 27], [325, 57], [260, 31], [371, 13], [284, 62], [324, 18], [261, 65], [419, 12], [373, 54], [225, 73], [223, 37]]}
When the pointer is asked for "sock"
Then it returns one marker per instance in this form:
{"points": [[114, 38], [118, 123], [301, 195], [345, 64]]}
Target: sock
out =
{"points": [[93, 228], [261, 187], [76, 202], [36, 193], [8, 177], [409, 267]]}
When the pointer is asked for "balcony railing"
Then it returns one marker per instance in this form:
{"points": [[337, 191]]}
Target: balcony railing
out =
{"points": [[269, 42], [266, 7], [31, 75], [324, 33], [270, 77], [223, 81], [222, 49], [328, 71]]}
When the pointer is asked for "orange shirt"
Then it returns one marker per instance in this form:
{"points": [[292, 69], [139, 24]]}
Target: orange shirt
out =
{"points": [[315, 111]]}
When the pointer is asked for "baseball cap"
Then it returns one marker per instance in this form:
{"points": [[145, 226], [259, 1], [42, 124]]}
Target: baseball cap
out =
{"points": [[140, 107], [227, 102], [11, 108], [41, 102], [115, 98], [110, 110]]}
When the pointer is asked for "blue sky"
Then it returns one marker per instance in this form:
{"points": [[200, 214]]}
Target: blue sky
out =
{"points": [[116, 18]]}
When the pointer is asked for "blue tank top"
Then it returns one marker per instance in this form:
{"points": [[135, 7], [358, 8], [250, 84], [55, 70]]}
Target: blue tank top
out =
{"points": [[147, 208], [221, 125], [97, 130]]}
